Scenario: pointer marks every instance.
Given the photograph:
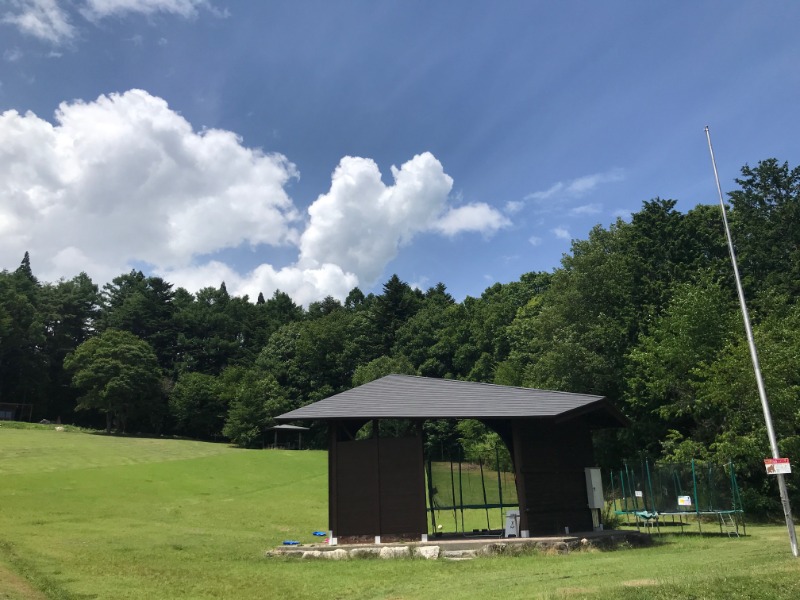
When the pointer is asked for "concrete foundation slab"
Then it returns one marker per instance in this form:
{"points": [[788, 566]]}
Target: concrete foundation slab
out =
{"points": [[465, 547]]}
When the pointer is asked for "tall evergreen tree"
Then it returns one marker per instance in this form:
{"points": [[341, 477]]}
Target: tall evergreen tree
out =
{"points": [[23, 363], [144, 307], [766, 211], [398, 303]]}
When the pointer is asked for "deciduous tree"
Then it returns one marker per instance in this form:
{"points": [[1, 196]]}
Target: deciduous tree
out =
{"points": [[117, 374]]}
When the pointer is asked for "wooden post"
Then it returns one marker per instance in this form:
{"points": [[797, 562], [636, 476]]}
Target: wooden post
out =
{"points": [[333, 440], [376, 424], [520, 477]]}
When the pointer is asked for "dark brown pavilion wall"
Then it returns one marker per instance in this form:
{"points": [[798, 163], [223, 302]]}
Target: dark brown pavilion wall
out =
{"points": [[378, 487], [402, 483], [551, 459], [356, 504]]}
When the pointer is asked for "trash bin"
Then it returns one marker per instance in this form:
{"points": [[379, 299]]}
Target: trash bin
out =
{"points": [[512, 524]]}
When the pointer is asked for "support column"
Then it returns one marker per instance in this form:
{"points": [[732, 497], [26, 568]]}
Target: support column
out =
{"points": [[519, 475], [333, 441]]}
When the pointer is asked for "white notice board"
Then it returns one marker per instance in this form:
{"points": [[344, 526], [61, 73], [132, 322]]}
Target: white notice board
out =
{"points": [[776, 466]]}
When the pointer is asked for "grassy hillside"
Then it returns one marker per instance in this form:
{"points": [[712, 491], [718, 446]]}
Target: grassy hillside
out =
{"points": [[89, 516], [131, 518]]}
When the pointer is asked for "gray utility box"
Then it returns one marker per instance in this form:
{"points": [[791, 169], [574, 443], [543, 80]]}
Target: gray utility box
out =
{"points": [[512, 524], [594, 487]]}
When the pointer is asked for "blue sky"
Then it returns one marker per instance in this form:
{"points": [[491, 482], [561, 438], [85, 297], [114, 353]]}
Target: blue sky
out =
{"points": [[314, 146]]}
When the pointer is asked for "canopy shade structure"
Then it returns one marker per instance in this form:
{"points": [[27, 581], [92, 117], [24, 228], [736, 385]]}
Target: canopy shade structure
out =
{"points": [[377, 485], [292, 428], [287, 428]]}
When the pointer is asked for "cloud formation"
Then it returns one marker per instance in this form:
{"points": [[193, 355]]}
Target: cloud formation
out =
{"points": [[514, 206], [51, 21], [94, 9], [361, 222], [12, 55], [585, 209], [303, 285], [43, 19], [578, 187], [561, 233], [124, 181], [477, 217]]}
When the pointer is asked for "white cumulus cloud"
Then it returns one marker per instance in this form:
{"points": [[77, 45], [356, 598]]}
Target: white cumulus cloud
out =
{"points": [[478, 217], [124, 179], [360, 223], [303, 285], [124, 182]]}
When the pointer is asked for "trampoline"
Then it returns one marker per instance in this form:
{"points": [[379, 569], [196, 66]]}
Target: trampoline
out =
{"points": [[668, 494]]}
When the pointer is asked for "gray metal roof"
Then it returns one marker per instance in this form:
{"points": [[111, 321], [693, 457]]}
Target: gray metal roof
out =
{"points": [[287, 428], [409, 397]]}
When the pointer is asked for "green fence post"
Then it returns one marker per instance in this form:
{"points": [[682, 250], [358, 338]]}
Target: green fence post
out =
{"points": [[499, 484], [453, 494], [696, 499], [650, 486], [485, 502], [430, 497], [461, 490]]}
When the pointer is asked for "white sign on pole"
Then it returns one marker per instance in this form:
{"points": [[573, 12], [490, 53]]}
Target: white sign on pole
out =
{"points": [[639, 494], [777, 466], [684, 500]]}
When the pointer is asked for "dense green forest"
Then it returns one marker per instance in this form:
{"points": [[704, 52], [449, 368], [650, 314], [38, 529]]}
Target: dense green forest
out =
{"points": [[643, 312]]}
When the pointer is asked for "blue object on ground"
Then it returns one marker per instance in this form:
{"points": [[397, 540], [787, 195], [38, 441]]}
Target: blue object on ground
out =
{"points": [[319, 533], [646, 515], [291, 543]]}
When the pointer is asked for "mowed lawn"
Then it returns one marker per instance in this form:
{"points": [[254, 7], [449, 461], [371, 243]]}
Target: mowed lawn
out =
{"points": [[91, 516]]}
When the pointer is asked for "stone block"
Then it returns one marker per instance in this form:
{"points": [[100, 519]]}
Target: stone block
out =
{"points": [[494, 549], [458, 554], [394, 552], [364, 552], [427, 552]]}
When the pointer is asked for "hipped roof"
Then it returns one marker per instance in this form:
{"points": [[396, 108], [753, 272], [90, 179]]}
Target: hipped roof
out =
{"points": [[409, 397]]}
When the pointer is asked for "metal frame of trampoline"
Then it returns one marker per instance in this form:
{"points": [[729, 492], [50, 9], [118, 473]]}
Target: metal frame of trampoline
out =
{"points": [[648, 513]]}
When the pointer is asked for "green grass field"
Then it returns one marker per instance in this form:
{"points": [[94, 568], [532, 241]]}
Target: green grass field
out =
{"points": [[90, 516]]}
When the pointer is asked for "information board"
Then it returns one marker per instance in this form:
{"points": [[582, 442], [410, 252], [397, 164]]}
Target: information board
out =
{"points": [[777, 466]]}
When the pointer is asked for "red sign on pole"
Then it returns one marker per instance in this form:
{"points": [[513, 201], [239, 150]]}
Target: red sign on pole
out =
{"points": [[777, 466]]}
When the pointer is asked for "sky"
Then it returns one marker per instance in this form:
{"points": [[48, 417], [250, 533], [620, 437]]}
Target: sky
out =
{"points": [[315, 146]]}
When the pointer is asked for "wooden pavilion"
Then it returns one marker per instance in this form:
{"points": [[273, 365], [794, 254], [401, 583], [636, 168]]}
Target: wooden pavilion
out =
{"points": [[377, 485]]}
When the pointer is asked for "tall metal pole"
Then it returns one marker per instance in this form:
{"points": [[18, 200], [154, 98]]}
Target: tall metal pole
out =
{"points": [[787, 509]]}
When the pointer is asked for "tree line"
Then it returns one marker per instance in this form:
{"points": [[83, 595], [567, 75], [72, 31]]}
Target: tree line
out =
{"points": [[643, 312]]}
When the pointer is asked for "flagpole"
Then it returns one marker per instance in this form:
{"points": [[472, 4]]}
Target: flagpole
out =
{"points": [[762, 393]]}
